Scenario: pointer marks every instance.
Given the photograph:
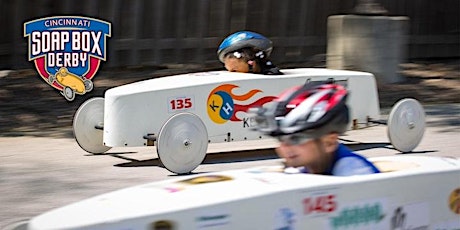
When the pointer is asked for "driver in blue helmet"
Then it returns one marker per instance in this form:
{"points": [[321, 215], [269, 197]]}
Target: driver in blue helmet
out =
{"points": [[247, 52], [307, 120]]}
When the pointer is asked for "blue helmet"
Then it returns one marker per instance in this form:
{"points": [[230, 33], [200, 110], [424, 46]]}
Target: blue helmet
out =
{"points": [[244, 39]]}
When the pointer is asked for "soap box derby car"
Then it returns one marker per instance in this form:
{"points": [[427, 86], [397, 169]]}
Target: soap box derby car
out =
{"points": [[412, 192], [181, 114]]}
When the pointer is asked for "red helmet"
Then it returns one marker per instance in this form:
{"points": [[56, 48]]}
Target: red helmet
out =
{"points": [[314, 109]]}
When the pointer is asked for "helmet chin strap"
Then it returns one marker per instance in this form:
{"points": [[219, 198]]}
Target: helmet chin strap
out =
{"points": [[251, 66]]}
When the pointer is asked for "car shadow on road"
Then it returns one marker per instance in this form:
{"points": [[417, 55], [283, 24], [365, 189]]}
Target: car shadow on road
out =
{"points": [[365, 146], [240, 156], [246, 155], [134, 162], [109, 154], [386, 145], [212, 158]]}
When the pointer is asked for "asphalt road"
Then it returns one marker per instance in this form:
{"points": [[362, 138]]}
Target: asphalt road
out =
{"points": [[39, 174]]}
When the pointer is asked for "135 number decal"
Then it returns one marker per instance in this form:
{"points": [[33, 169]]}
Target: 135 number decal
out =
{"points": [[180, 103]]}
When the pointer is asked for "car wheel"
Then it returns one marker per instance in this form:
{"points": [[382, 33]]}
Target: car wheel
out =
{"points": [[406, 124], [68, 93], [88, 85], [89, 115], [182, 143]]}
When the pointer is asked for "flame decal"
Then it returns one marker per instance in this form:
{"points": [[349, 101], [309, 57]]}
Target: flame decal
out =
{"points": [[222, 106], [229, 87], [244, 108]]}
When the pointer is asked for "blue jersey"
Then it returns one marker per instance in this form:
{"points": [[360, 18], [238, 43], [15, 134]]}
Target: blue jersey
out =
{"points": [[347, 163]]}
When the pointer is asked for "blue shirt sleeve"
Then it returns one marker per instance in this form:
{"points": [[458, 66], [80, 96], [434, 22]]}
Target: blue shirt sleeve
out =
{"points": [[349, 166], [348, 163]]}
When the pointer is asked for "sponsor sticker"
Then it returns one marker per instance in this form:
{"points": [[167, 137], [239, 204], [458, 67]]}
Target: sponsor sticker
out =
{"points": [[454, 201], [163, 225], [361, 215], [212, 220], [411, 217], [284, 219], [206, 179], [67, 51]]}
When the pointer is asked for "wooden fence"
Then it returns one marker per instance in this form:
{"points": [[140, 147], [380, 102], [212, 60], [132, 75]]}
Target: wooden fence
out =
{"points": [[158, 32]]}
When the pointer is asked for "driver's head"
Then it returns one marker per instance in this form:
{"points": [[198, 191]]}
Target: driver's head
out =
{"points": [[240, 51], [244, 60], [307, 121]]}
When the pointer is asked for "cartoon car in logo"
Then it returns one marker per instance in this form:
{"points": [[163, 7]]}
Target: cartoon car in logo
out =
{"points": [[71, 83]]}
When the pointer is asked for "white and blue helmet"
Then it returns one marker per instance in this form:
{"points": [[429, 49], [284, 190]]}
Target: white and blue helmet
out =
{"points": [[244, 39]]}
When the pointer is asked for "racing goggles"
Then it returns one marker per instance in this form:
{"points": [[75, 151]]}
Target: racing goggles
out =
{"points": [[294, 139]]}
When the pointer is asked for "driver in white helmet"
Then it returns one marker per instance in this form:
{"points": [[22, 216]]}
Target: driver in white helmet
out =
{"points": [[307, 120], [247, 52]]}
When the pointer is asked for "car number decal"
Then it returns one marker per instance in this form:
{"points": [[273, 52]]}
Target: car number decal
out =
{"points": [[180, 103]]}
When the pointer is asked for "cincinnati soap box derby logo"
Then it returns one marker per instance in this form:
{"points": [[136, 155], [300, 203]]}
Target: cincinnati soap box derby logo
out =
{"points": [[67, 51]]}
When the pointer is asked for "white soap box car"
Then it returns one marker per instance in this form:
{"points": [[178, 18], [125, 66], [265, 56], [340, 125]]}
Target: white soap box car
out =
{"points": [[181, 114], [414, 192]]}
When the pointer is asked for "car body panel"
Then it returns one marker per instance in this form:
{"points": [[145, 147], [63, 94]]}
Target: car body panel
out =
{"points": [[135, 110], [419, 192]]}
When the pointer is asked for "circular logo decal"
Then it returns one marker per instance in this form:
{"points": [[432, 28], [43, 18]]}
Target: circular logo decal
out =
{"points": [[220, 107]]}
